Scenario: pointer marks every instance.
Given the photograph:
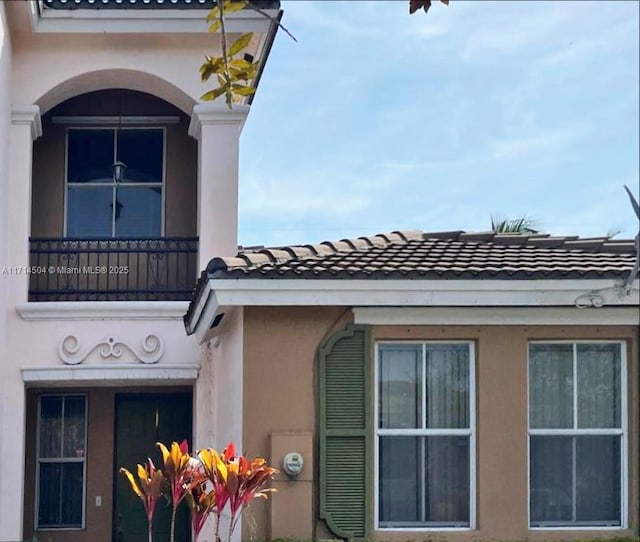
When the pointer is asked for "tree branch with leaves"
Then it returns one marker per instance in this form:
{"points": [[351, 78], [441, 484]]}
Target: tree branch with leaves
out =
{"points": [[235, 74]]}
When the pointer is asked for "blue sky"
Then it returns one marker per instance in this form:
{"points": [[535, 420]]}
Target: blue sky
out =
{"points": [[377, 121]]}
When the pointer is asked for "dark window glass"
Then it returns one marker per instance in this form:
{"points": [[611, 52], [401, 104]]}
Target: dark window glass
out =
{"points": [[50, 426], [598, 479], [141, 151], [61, 495], [551, 479], [138, 212], [61, 461], [424, 481], [90, 156], [89, 211], [115, 210], [575, 479]]}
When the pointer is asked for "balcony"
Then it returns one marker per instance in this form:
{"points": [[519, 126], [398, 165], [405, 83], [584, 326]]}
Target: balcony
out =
{"points": [[108, 269]]}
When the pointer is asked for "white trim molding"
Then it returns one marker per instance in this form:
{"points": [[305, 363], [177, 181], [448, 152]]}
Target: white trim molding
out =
{"points": [[150, 350], [28, 115], [102, 310], [217, 113], [220, 295], [504, 316], [113, 374]]}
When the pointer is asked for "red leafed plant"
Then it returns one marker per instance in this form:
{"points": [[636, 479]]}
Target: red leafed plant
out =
{"points": [[179, 471], [149, 488], [208, 481], [236, 480]]}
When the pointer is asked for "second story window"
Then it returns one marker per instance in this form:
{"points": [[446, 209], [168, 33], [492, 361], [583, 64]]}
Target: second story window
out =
{"points": [[98, 206]]}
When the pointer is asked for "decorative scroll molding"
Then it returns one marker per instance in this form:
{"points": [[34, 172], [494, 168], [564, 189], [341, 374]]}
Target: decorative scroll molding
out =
{"points": [[110, 347]]}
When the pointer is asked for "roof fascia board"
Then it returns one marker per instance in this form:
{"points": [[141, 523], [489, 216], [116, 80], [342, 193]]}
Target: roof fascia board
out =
{"points": [[145, 21], [417, 292], [460, 316], [220, 295]]}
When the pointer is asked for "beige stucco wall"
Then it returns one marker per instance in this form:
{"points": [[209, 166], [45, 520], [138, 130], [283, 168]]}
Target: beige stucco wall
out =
{"points": [[280, 394], [279, 405], [49, 160]]}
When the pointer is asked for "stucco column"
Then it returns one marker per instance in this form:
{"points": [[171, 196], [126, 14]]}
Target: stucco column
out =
{"points": [[25, 127], [217, 129]]}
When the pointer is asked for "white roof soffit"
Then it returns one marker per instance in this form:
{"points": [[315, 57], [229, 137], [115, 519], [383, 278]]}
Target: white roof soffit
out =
{"points": [[220, 295], [191, 21]]}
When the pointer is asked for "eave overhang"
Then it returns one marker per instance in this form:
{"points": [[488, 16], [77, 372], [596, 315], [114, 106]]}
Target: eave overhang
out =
{"points": [[143, 21], [217, 297]]}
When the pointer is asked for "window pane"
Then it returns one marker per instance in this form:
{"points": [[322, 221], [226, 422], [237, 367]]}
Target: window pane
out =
{"points": [[50, 427], [60, 495], [447, 386], [551, 479], [550, 386], [447, 479], [400, 481], [599, 385], [598, 479], [141, 151], [138, 212], [424, 481], [49, 494], [89, 212], [400, 386], [74, 415], [71, 498], [90, 156]]}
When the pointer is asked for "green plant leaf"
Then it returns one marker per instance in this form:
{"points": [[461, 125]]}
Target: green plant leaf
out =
{"points": [[213, 94], [241, 64], [214, 14], [211, 66], [243, 90], [240, 44], [229, 6]]}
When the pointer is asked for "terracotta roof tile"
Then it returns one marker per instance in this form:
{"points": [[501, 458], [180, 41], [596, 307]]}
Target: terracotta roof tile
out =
{"points": [[456, 254]]}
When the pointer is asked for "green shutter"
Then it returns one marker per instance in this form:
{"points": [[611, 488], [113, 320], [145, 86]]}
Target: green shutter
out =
{"points": [[345, 458]]}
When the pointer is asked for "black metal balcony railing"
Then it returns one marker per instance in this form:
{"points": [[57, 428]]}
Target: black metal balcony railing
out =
{"points": [[112, 269]]}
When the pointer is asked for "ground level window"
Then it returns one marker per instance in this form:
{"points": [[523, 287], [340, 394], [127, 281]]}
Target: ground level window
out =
{"points": [[425, 435], [61, 461], [577, 421]]}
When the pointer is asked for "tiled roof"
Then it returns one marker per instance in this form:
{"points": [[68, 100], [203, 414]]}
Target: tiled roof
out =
{"points": [[146, 4], [442, 255]]}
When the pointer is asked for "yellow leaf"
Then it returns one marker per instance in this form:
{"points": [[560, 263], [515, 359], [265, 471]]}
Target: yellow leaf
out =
{"points": [[163, 449], [229, 6], [242, 90], [241, 43], [132, 481]]}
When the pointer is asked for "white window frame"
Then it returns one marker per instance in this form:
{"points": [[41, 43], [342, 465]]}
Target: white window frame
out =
{"points": [[575, 431], [471, 433], [123, 125], [82, 460]]}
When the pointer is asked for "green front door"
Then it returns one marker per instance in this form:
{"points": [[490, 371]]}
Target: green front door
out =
{"points": [[141, 421]]}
